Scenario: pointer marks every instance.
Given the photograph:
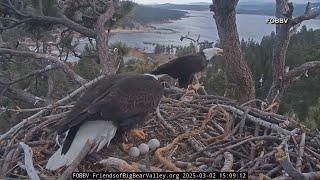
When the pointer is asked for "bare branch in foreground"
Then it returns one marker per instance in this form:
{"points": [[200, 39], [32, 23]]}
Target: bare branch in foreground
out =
{"points": [[28, 162], [40, 56]]}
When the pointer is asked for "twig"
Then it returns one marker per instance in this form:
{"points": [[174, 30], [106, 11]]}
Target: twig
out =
{"points": [[164, 122], [301, 152]]}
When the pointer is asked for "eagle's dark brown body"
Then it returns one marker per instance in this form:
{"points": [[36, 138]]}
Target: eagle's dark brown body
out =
{"points": [[183, 68], [123, 99]]}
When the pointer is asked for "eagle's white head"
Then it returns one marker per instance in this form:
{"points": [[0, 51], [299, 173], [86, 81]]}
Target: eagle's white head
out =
{"points": [[211, 52]]}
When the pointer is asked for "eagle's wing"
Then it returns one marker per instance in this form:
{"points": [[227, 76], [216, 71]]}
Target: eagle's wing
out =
{"points": [[130, 98], [92, 95], [181, 65]]}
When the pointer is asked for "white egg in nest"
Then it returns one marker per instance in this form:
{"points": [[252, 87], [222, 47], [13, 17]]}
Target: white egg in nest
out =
{"points": [[154, 144], [134, 152], [143, 148]]}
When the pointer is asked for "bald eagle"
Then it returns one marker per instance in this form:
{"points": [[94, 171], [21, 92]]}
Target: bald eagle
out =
{"points": [[184, 68], [116, 102]]}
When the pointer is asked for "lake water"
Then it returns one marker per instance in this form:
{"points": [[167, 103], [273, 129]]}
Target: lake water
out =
{"points": [[200, 22]]}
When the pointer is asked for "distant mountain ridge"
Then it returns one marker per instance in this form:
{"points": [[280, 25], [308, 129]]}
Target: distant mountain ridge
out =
{"points": [[144, 15], [247, 7], [200, 3]]}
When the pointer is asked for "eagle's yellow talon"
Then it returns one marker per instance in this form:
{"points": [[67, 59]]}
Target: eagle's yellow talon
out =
{"points": [[125, 147], [138, 133]]}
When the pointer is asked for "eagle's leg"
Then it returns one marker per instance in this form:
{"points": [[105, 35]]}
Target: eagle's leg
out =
{"points": [[198, 86], [133, 133], [129, 123], [126, 146], [137, 133]]}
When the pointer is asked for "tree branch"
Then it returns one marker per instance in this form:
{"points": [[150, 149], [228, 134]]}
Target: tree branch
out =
{"points": [[298, 71], [306, 16], [33, 73], [54, 20], [17, 23], [75, 77], [68, 23], [32, 173], [18, 94], [23, 96], [16, 10]]}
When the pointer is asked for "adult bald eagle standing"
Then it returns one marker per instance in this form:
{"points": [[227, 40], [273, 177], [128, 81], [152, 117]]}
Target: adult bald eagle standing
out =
{"points": [[184, 68], [119, 101]]}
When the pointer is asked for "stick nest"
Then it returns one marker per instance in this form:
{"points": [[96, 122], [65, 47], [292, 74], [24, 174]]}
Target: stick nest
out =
{"points": [[204, 133]]}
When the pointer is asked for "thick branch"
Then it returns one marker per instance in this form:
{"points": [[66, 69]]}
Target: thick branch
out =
{"points": [[34, 55], [307, 16], [32, 173], [68, 23], [18, 94], [298, 71]]}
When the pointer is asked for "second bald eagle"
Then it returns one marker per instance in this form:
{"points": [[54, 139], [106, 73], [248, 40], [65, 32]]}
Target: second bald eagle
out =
{"points": [[184, 68]]}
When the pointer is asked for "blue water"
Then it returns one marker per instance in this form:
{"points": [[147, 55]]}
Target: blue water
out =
{"points": [[200, 22]]}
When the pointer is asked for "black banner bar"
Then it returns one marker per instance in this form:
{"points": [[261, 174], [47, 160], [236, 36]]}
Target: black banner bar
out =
{"points": [[160, 175]]}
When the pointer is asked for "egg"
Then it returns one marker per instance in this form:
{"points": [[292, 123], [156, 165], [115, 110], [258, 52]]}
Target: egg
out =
{"points": [[134, 152], [143, 148], [154, 144]]}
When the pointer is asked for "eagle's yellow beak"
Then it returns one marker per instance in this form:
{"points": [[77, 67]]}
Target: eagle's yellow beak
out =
{"points": [[220, 52]]}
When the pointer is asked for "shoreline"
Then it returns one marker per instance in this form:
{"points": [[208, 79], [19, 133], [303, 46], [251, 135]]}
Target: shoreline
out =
{"points": [[144, 29]]}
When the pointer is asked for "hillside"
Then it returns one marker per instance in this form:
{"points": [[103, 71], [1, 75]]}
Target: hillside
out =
{"points": [[261, 8], [143, 15]]}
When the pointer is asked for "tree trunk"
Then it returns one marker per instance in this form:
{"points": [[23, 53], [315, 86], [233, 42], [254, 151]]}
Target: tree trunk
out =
{"points": [[279, 85], [102, 41], [237, 68]]}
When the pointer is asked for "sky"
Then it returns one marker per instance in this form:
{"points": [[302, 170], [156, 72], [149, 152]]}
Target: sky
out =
{"points": [[209, 1]]}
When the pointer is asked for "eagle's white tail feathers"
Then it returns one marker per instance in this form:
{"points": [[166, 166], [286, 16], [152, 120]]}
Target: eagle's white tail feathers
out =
{"points": [[100, 132]]}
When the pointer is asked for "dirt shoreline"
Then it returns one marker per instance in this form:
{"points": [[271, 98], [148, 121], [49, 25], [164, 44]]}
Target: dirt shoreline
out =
{"points": [[134, 30], [143, 29]]}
